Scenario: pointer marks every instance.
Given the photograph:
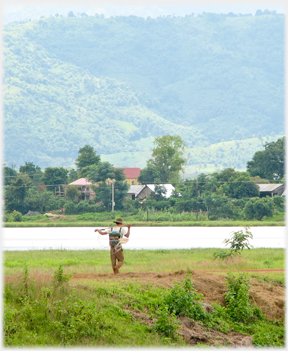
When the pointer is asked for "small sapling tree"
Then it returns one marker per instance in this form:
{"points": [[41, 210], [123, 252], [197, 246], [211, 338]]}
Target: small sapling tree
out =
{"points": [[239, 240]]}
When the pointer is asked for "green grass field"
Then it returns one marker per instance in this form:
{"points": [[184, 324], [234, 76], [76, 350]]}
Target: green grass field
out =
{"points": [[105, 219], [43, 308], [98, 261]]}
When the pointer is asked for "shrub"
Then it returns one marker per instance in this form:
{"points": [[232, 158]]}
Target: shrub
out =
{"points": [[76, 319], [224, 210], [279, 203], [224, 255], [237, 301], [270, 335], [239, 240], [184, 300], [258, 208], [7, 217], [70, 208], [59, 278], [166, 323], [17, 216]]}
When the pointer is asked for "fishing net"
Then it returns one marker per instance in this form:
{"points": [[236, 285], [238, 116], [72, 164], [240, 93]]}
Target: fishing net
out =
{"points": [[103, 241]]}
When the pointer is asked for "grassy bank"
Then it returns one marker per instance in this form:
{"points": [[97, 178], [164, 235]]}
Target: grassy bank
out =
{"points": [[141, 219], [43, 307], [98, 261]]}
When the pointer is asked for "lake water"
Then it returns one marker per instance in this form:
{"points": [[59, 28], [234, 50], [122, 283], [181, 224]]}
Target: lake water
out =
{"points": [[84, 238]]}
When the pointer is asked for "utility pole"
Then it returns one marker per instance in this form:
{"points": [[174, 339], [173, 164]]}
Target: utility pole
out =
{"points": [[113, 203]]}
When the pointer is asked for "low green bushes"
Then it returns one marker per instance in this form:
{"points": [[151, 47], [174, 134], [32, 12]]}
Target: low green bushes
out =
{"points": [[53, 313]]}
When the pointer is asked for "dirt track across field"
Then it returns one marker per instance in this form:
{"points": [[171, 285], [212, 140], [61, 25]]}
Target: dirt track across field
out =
{"points": [[269, 296]]}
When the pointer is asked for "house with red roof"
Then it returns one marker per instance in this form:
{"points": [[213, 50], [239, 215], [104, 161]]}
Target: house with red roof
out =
{"points": [[131, 174]]}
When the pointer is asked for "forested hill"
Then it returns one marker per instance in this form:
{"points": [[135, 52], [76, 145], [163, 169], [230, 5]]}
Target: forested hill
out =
{"points": [[116, 83]]}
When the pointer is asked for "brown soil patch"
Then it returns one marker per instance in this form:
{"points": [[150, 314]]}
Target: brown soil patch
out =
{"points": [[54, 217], [269, 296]]}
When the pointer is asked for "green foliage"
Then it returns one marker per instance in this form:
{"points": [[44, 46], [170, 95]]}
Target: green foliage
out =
{"points": [[9, 175], [167, 159], [279, 203], [76, 320], [25, 280], [34, 172], [166, 323], [148, 175], [59, 277], [15, 194], [45, 312], [87, 157], [224, 255], [54, 176], [41, 200], [220, 207], [101, 172], [183, 300], [72, 193], [269, 335], [237, 300], [270, 162], [239, 240], [159, 193], [17, 216], [258, 208], [73, 175]]}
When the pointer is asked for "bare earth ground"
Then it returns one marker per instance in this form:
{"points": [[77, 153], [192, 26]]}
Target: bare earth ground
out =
{"points": [[269, 296]]}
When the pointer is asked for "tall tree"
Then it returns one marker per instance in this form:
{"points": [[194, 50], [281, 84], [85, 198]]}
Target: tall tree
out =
{"points": [[270, 163], [148, 175], [29, 168], [87, 157], [167, 158], [72, 193], [55, 176], [9, 175], [41, 201], [34, 172], [16, 192], [73, 175]]}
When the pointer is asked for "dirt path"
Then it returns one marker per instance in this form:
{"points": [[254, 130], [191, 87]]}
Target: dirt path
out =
{"points": [[269, 297]]}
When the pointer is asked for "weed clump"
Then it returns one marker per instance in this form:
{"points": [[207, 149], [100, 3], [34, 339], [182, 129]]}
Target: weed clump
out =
{"points": [[183, 300], [237, 301]]}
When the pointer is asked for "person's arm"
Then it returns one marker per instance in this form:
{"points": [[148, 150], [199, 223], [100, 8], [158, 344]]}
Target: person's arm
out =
{"points": [[100, 231], [128, 232]]}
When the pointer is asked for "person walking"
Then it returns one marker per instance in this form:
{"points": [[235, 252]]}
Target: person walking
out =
{"points": [[115, 234]]}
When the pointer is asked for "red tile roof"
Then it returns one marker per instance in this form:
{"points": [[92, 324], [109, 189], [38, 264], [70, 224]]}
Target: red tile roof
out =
{"points": [[131, 172]]}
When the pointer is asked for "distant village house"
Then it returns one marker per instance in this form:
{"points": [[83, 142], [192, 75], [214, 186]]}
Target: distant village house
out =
{"points": [[131, 174], [140, 192], [85, 189], [271, 189]]}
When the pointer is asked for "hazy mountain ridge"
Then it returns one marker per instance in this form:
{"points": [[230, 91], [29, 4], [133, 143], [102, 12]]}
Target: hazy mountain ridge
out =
{"points": [[106, 82]]}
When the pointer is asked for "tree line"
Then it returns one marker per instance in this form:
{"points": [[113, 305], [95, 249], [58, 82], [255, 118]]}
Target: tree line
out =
{"points": [[225, 194]]}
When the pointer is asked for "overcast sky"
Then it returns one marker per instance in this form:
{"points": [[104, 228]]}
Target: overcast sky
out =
{"points": [[194, 6]]}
